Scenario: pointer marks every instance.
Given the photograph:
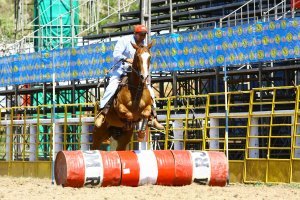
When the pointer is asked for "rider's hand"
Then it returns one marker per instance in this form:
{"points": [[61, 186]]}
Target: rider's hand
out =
{"points": [[129, 60]]}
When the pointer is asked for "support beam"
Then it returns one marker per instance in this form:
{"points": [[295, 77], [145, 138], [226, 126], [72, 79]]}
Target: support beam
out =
{"points": [[85, 136], [214, 133], [254, 142], [145, 7], [59, 132], [8, 142], [32, 145], [178, 134], [297, 139]]}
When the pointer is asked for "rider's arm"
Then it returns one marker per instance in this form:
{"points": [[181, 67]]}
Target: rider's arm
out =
{"points": [[118, 53]]}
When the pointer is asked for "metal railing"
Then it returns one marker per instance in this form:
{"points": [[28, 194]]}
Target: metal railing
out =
{"points": [[199, 120], [243, 13], [264, 131], [277, 12]]}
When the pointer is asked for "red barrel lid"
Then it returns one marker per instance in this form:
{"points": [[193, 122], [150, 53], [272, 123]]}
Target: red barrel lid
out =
{"points": [[69, 169], [219, 168]]}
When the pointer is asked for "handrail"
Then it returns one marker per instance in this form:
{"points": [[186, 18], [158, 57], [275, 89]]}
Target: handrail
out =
{"points": [[275, 8], [240, 9]]}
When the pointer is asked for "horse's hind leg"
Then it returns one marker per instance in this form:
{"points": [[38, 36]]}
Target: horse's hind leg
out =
{"points": [[124, 139], [100, 134]]}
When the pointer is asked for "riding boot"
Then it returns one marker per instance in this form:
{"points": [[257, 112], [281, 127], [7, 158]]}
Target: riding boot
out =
{"points": [[100, 117], [153, 121]]}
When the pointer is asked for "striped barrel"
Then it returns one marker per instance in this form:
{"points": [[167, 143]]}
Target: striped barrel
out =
{"points": [[135, 168], [87, 168]]}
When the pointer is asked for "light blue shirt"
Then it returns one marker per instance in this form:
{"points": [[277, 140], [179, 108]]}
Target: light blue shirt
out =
{"points": [[124, 49]]}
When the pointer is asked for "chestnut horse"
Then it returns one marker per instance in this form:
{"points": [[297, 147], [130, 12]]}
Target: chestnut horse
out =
{"points": [[131, 104]]}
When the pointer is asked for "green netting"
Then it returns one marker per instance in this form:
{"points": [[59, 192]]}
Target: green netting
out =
{"points": [[53, 23], [64, 97], [45, 130]]}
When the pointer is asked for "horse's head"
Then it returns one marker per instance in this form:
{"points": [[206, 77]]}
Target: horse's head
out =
{"points": [[141, 61]]}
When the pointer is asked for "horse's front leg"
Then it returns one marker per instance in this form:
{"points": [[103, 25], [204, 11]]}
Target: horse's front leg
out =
{"points": [[124, 139], [146, 112], [100, 134], [125, 112]]}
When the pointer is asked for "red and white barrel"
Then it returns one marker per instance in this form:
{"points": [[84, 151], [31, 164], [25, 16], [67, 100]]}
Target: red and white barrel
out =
{"points": [[87, 168], [219, 168], [210, 168], [69, 169], [134, 168]]}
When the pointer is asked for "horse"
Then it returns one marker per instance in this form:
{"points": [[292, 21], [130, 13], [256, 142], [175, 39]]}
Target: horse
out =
{"points": [[131, 104]]}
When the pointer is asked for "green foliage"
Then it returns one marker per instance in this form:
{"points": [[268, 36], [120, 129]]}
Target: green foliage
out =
{"points": [[7, 19], [115, 18], [8, 24]]}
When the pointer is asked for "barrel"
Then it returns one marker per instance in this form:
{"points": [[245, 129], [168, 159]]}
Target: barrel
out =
{"points": [[135, 168], [87, 168]]}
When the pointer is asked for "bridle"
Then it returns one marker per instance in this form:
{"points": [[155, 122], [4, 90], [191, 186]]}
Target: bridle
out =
{"points": [[137, 72], [141, 83]]}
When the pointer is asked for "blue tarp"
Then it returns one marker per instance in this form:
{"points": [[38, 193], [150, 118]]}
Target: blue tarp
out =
{"points": [[275, 40]]}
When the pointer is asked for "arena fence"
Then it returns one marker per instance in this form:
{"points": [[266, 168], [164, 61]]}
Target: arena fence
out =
{"points": [[263, 132]]}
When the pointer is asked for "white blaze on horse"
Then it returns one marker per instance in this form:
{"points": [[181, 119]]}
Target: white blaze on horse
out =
{"points": [[131, 105]]}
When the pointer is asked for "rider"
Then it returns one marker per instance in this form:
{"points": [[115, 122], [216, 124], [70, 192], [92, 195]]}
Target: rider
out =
{"points": [[124, 52]]}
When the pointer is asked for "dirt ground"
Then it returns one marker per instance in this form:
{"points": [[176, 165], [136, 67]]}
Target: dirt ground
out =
{"points": [[33, 188]]}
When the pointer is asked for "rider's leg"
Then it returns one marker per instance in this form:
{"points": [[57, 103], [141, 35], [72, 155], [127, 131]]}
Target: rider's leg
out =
{"points": [[107, 99], [154, 121]]}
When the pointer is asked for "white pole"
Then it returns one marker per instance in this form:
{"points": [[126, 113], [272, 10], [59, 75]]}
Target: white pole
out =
{"points": [[7, 150], [254, 142], [171, 16], [53, 117], [226, 117], [85, 137], [214, 133], [53, 121], [226, 110], [58, 138], [32, 144], [178, 134]]}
